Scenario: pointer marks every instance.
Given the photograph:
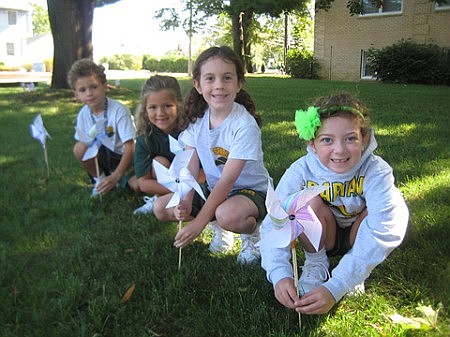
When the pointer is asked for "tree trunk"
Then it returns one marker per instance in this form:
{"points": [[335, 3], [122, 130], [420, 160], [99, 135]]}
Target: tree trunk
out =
{"points": [[247, 19], [71, 24], [238, 35]]}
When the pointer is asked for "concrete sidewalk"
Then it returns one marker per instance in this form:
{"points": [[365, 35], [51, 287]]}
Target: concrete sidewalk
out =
{"points": [[18, 77]]}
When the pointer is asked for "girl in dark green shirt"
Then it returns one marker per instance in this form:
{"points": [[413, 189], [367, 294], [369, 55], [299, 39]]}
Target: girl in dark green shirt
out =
{"points": [[157, 118]]}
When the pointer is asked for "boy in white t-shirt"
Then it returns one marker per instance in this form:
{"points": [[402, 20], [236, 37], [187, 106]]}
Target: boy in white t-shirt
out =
{"points": [[105, 121]]}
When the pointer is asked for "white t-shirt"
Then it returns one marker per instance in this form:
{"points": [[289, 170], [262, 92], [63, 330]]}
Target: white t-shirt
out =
{"points": [[238, 137], [119, 123]]}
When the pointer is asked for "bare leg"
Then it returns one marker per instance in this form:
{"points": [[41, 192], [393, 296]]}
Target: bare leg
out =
{"points": [[89, 165]]}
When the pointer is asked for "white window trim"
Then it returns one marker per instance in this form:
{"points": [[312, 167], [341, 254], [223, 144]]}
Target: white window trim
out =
{"points": [[363, 67], [382, 13], [445, 7], [10, 49], [10, 15]]}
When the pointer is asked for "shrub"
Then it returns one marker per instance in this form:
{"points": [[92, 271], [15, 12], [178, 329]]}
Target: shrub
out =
{"points": [[122, 62], [410, 62], [302, 64], [170, 64]]}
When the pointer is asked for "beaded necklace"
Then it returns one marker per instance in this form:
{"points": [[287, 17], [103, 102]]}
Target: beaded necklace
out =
{"points": [[105, 117]]}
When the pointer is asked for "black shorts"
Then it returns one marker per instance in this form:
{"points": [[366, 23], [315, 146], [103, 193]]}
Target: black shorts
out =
{"points": [[108, 162], [259, 198], [342, 242]]}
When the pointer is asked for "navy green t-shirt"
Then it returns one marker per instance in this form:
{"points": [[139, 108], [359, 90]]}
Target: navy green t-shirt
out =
{"points": [[149, 147]]}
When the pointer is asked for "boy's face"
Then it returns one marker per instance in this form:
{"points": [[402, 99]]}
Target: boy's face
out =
{"points": [[339, 143], [89, 90]]}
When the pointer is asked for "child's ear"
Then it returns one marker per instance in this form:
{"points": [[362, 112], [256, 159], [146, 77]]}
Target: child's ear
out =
{"points": [[366, 139], [197, 87], [310, 143]]}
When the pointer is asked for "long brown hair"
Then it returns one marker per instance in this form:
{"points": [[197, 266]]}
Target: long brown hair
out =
{"points": [[194, 103]]}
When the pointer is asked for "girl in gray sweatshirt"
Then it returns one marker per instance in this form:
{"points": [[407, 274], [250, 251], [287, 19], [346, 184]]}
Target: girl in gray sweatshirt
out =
{"points": [[363, 215]]}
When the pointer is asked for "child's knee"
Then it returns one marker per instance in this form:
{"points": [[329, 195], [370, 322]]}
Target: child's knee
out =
{"points": [[79, 149]]}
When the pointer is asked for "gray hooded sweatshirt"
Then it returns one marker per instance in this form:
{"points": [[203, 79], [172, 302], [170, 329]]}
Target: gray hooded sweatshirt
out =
{"points": [[369, 184]]}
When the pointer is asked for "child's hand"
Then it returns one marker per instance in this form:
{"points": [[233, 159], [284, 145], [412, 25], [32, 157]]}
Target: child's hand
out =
{"points": [[107, 184], [317, 301], [187, 234], [286, 293], [182, 211]]}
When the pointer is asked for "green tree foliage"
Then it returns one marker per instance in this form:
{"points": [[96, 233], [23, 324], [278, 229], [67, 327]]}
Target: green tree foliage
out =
{"points": [[41, 23]]}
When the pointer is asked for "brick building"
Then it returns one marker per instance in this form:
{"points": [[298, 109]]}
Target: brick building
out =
{"points": [[341, 41]]}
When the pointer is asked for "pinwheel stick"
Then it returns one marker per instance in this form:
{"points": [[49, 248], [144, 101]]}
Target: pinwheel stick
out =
{"points": [[46, 161], [180, 225], [97, 170], [295, 267]]}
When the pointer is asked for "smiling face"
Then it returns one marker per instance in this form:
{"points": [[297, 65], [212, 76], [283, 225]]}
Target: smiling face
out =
{"points": [[89, 90], [339, 143], [161, 108], [219, 84]]}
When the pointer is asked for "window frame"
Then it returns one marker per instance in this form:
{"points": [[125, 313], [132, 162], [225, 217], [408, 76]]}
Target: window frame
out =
{"points": [[442, 7], [12, 18], [10, 49], [364, 72], [382, 12]]}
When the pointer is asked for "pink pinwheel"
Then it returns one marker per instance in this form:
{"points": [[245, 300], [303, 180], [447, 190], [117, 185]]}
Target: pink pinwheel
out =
{"points": [[292, 217], [39, 132]]}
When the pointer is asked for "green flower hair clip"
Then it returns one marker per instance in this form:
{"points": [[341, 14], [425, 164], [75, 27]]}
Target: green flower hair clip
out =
{"points": [[307, 122]]}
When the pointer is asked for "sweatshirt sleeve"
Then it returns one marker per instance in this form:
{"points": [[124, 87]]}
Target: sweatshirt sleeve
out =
{"points": [[276, 261], [379, 233]]}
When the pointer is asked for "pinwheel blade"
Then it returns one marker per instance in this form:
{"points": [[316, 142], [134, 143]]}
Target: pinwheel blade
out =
{"points": [[38, 130], [313, 230], [181, 160], [175, 146], [164, 177]]}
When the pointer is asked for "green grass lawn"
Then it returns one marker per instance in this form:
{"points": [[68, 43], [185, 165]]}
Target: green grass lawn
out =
{"points": [[66, 260]]}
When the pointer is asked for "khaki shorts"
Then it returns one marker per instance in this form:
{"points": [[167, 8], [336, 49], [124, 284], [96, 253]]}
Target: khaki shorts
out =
{"points": [[258, 198]]}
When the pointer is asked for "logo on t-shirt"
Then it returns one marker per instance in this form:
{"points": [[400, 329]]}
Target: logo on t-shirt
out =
{"points": [[221, 155]]}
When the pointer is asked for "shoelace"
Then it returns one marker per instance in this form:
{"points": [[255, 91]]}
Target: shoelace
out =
{"points": [[316, 269], [149, 199]]}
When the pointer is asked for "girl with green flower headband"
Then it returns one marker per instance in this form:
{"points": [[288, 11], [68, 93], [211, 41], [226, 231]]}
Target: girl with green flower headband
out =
{"points": [[362, 213], [308, 121]]}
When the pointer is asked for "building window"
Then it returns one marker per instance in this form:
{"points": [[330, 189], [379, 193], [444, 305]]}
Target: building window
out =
{"points": [[443, 5], [387, 6], [10, 49], [12, 17], [367, 71]]}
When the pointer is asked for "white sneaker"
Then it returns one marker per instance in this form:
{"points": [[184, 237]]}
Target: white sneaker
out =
{"points": [[250, 253], [314, 272], [146, 208], [222, 240], [97, 180]]}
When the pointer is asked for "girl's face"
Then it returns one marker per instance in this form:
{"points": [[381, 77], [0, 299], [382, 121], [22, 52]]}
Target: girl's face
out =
{"points": [[339, 143], [161, 108], [89, 90], [218, 84]]}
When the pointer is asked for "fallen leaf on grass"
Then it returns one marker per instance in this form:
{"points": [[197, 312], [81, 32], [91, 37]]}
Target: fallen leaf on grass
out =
{"points": [[128, 293], [427, 322]]}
